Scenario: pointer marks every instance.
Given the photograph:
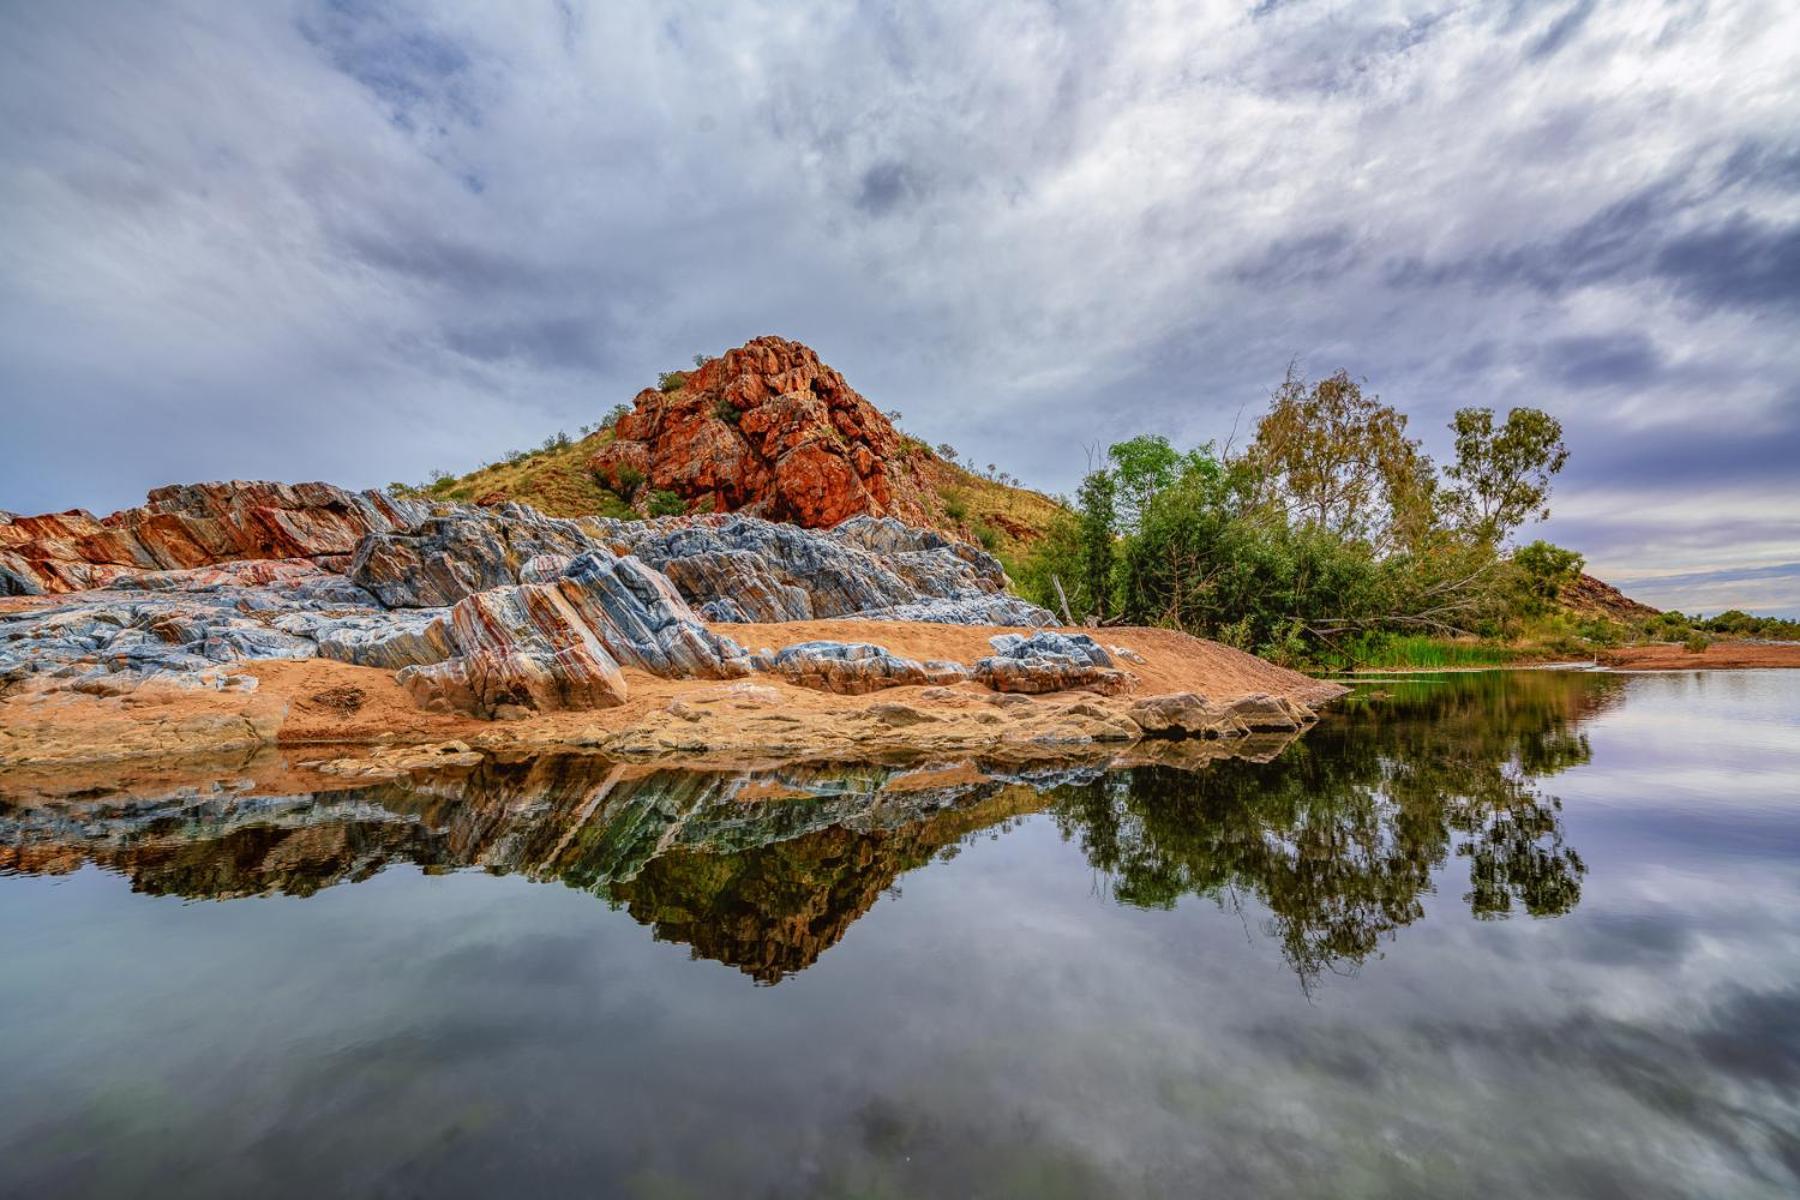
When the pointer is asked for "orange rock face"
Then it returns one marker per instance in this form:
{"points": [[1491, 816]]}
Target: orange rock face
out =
{"points": [[769, 430], [195, 525]]}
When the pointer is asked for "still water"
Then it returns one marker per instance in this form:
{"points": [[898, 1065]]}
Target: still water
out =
{"points": [[1499, 935]]}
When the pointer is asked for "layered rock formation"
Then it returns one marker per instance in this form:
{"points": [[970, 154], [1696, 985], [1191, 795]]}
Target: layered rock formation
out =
{"points": [[502, 613], [190, 526], [855, 668], [769, 430], [1048, 662], [492, 611], [559, 645]]}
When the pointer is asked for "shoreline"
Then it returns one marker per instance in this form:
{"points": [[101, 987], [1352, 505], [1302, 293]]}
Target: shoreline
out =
{"points": [[1659, 656], [295, 704]]}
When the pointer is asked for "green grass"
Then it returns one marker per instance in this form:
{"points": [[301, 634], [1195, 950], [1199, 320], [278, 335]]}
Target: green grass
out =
{"points": [[1419, 652], [556, 481]]}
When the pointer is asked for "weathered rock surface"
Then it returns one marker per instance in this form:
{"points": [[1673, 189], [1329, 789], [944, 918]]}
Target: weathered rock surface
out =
{"points": [[1185, 714], [769, 430], [194, 525], [551, 646], [1182, 714], [744, 569], [179, 626], [854, 668], [1048, 662], [519, 649], [1262, 713], [461, 550]]}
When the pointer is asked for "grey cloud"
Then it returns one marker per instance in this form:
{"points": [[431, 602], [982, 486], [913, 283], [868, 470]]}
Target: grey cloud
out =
{"points": [[419, 75], [1309, 258], [1613, 360], [885, 187], [566, 342], [1561, 30], [1741, 264], [1034, 229]]}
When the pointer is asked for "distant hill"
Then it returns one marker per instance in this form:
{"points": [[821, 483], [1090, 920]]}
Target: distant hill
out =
{"points": [[1590, 597], [769, 430]]}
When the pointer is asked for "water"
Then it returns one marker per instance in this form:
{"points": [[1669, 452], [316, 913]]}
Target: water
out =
{"points": [[1496, 934]]}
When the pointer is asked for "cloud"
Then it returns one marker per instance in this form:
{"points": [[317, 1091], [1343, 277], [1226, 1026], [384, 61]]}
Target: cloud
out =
{"points": [[1611, 360], [360, 241]]}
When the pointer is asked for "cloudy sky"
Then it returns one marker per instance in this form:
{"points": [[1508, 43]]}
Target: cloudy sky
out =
{"points": [[359, 241]]}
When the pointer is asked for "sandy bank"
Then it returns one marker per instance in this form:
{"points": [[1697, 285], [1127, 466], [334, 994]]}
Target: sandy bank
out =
{"points": [[317, 701], [1718, 656]]}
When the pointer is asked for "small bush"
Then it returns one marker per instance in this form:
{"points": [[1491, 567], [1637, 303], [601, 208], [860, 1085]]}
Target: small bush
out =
{"points": [[699, 360], [987, 535], [1601, 632], [726, 411], [624, 484], [614, 415], [666, 504], [672, 381], [956, 506], [1696, 643], [556, 441]]}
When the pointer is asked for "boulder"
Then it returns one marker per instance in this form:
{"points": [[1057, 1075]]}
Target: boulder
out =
{"points": [[643, 621], [520, 647], [1262, 713], [854, 668], [1180, 715], [560, 645], [1048, 662]]}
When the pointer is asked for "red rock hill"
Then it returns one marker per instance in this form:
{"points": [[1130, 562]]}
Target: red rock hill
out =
{"points": [[769, 430]]}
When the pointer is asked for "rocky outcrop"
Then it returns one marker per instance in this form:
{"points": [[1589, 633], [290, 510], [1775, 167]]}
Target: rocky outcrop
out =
{"points": [[744, 569], [1048, 662], [1186, 715], [769, 430], [1262, 713], [550, 646], [855, 668], [1590, 597], [410, 554], [459, 551], [179, 627], [189, 526]]}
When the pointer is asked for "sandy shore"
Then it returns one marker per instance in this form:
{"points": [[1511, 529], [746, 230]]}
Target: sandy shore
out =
{"points": [[321, 702], [1718, 656]]}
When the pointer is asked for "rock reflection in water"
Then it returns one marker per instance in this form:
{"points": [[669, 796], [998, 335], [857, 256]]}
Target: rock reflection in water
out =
{"points": [[1337, 835]]}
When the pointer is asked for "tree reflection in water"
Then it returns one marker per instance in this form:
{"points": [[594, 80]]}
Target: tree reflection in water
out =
{"points": [[1338, 835]]}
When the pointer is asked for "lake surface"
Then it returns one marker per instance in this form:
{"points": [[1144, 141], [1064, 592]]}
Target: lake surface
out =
{"points": [[1497, 934]]}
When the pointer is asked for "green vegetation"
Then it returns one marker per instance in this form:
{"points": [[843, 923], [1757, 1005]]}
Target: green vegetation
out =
{"points": [[626, 481], [664, 503], [1419, 652], [1734, 623], [1331, 540], [554, 478], [672, 381]]}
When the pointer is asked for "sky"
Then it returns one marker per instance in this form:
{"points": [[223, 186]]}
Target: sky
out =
{"points": [[363, 241]]}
